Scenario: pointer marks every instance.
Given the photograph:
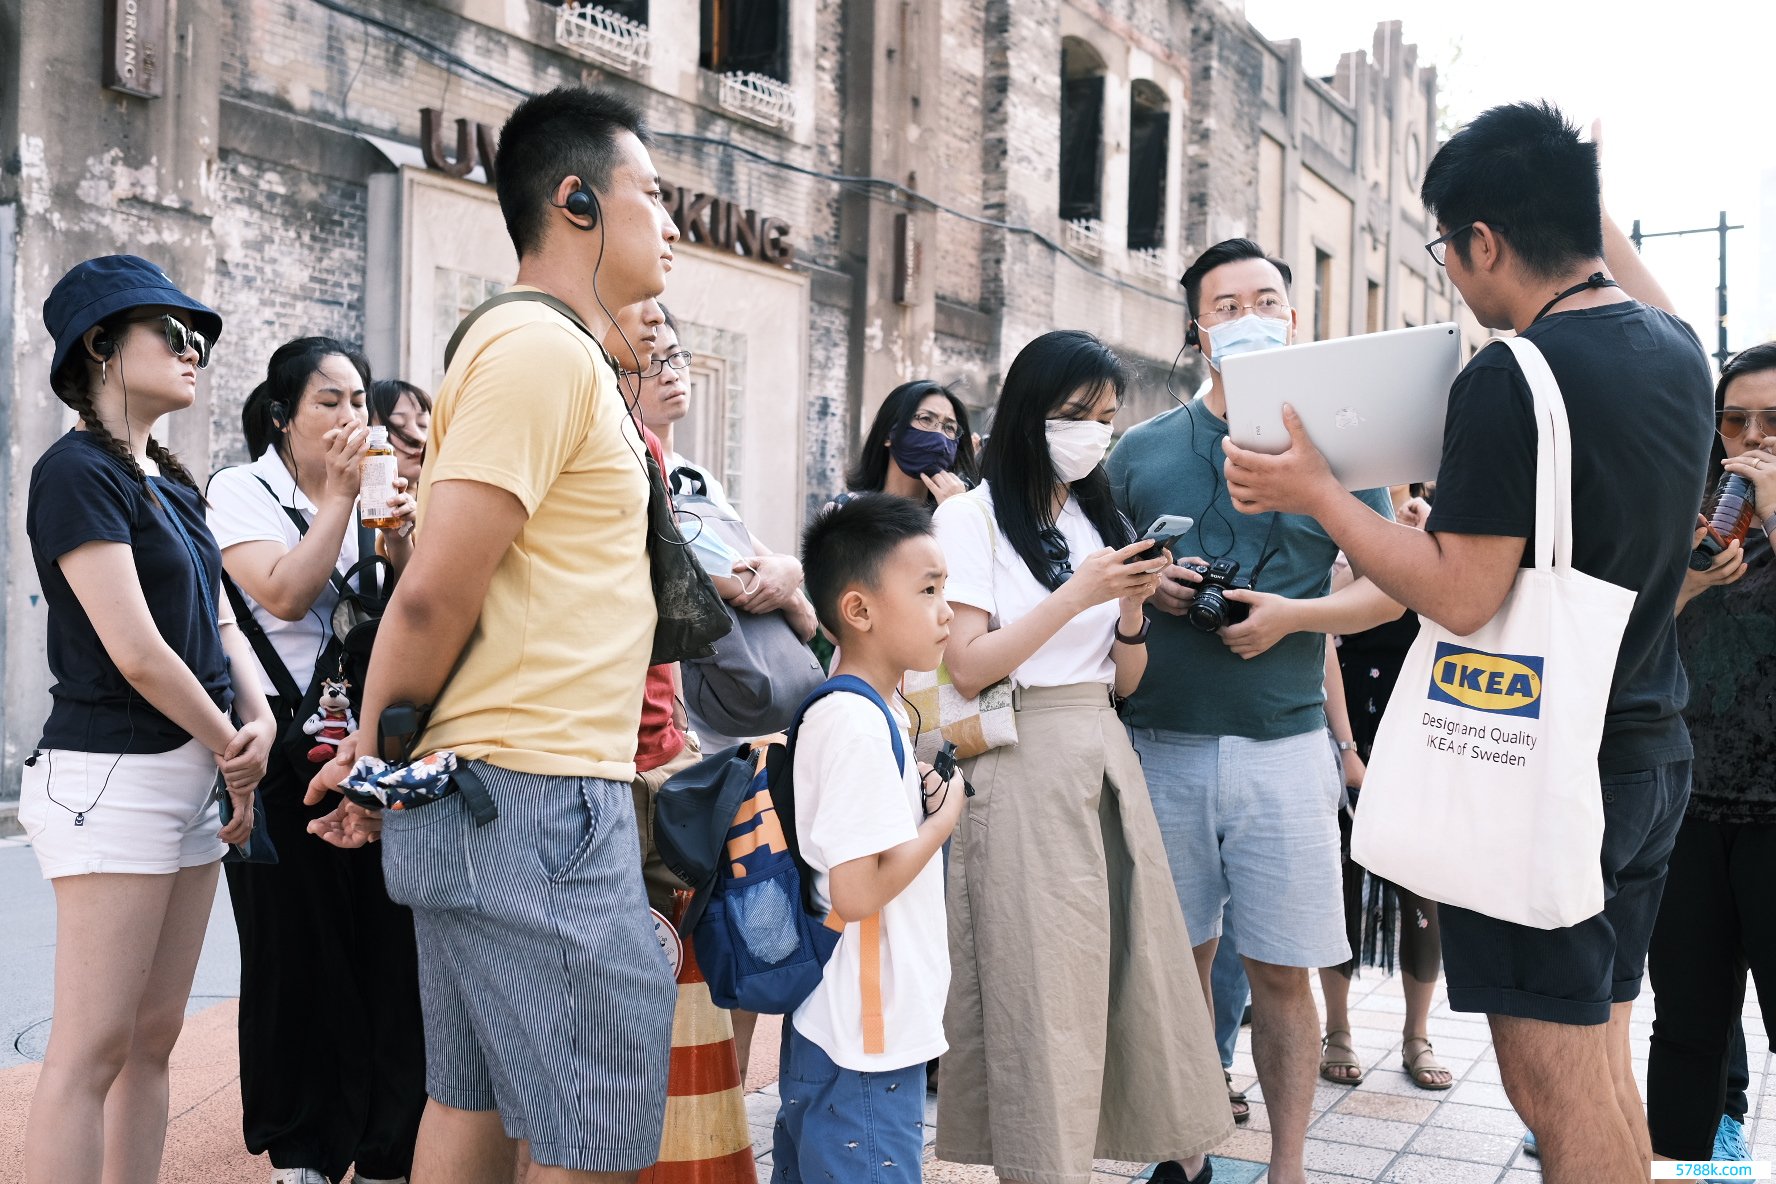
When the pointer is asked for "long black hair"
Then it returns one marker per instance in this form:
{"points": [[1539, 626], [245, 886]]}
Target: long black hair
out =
{"points": [[1753, 360], [273, 404], [870, 473], [1048, 373]]}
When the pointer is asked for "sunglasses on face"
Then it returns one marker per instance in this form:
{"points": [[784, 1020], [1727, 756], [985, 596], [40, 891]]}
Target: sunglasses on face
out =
{"points": [[1732, 423], [179, 337]]}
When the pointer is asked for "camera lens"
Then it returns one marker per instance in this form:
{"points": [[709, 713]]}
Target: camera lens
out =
{"points": [[1208, 610]]}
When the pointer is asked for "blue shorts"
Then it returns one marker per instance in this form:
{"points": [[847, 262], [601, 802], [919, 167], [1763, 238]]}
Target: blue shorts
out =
{"points": [[1251, 830], [545, 993], [839, 1124]]}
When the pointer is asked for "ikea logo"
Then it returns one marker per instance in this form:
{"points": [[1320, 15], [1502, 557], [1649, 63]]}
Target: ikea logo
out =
{"points": [[1503, 684]]}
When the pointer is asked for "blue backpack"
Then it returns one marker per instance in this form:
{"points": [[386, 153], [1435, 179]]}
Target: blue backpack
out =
{"points": [[761, 941]]}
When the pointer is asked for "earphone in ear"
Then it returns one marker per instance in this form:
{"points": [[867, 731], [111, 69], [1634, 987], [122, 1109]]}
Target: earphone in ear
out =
{"points": [[280, 417], [583, 203], [104, 345], [1191, 336]]}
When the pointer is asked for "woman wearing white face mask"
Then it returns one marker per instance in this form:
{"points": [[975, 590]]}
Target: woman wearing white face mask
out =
{"points": [[1059, 885]]}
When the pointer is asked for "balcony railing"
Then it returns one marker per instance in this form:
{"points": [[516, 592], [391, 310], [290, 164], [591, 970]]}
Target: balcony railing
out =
{"points": [[760, 97], [603, 36], [1151, 261], [1085, 236]]}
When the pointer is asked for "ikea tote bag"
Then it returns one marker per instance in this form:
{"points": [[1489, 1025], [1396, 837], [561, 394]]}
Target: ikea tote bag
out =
{"points": [[1483, 790]]}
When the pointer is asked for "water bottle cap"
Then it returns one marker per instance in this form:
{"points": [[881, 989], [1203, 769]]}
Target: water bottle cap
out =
{"points": [[378, 435]]}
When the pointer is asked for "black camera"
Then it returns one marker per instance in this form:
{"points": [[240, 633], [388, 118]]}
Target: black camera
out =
{"points": [[1210, 609]]}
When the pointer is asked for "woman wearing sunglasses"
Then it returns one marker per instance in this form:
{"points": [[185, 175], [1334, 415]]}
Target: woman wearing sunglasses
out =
{"points": [[154, 706], [1069, 1037], [288, 526], [1715, 919], [920, 447]]}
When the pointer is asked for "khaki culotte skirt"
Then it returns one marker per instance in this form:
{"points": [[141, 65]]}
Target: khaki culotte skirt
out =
{"points": [[1075, 1019]]}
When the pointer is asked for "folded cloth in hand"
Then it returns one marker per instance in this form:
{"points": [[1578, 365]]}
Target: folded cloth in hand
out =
{"points": [[377, 785]]}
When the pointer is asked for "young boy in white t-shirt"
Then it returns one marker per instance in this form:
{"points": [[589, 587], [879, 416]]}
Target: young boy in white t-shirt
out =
{"points": [[852, 1072]]}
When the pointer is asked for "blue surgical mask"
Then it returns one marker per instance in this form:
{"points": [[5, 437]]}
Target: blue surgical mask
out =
{"points": [[1247, 335], [712, 551]]}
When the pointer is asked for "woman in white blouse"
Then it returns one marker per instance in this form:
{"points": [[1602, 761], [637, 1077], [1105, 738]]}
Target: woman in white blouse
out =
{"points": [[1075, 1021]]}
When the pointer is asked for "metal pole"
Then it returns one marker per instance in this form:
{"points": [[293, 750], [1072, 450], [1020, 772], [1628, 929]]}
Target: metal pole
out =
{"points": [[1720, 354], [1634, 237]]}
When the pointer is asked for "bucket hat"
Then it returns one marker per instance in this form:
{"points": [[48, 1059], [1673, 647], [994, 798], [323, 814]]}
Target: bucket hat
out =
{"points": [[99, 288]]}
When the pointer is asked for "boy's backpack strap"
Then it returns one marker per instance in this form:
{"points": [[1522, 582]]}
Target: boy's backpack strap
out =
{"points": [[855, 685]]}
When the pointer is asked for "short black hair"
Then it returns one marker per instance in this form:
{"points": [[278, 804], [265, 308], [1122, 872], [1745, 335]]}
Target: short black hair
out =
{"points": [[569, 132], [1523, 170], [671, 321], [1228, 251], [846, 546]]}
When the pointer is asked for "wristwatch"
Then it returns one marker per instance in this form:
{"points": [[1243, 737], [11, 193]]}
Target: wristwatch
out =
{"points": [[1136, 638], [1346, 745]]}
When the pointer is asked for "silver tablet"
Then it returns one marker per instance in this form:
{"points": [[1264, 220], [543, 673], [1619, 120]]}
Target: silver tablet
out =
{"points": [[1373, 404]]}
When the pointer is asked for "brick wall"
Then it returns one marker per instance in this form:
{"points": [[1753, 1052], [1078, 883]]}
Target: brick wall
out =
{"points": [[289, 263]]}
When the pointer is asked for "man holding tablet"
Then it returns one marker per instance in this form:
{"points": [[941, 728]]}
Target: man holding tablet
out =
{"points": [[1230, 721], [1520, 228]]}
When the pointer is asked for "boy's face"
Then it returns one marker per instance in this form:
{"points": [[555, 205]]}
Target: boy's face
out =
{"points": [[908, 612]]}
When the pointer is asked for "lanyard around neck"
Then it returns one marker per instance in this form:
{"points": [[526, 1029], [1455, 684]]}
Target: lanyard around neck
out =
{"points": [[1595, 280]]}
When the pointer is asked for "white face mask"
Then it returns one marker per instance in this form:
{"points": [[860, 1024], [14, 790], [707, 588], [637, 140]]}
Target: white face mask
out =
{"points": [[1076, 447], [1247, 335]]}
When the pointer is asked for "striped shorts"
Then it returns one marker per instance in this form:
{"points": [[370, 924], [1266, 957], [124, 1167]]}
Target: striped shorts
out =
{"points": [[545, 993]]}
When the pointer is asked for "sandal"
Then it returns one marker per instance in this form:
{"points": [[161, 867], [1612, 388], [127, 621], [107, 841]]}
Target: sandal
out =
{"points": [[1347, 1058], [1242, 1109], [1425, 1065]]}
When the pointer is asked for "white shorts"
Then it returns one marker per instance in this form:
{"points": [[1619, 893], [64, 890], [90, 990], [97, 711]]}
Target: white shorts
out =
{"points": [[141, 814]]}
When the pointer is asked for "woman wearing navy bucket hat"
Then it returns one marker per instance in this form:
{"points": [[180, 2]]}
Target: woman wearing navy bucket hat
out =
{"points": [[118, 799]]}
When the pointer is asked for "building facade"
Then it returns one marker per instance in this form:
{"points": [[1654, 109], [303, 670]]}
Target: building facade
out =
{"points": [[869, 191]]}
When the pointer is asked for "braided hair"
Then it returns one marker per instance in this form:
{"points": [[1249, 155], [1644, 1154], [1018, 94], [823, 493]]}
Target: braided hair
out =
{"points": [[73, 384]]}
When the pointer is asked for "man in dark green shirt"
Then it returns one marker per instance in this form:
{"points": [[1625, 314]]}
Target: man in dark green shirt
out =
{"points": [[1230, 722]]}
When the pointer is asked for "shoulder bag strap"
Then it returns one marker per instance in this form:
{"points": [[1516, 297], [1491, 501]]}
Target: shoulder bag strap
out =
{"points": [[493, 302], [1554, 524], [365, 535], [281, 681]]}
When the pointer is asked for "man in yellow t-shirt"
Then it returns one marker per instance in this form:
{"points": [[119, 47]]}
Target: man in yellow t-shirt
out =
{"points": [[526, 616]]}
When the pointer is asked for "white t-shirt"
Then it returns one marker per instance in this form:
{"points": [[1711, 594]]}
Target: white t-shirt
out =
{"points": [[986, 572], [851, 801], [242, 510]]}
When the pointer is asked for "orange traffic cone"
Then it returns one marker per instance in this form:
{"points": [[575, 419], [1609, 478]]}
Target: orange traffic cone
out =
{"points": [[706, 1140]]}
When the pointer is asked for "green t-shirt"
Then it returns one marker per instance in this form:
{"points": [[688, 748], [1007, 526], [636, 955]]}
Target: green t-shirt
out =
{"points": [[1172, 465]]}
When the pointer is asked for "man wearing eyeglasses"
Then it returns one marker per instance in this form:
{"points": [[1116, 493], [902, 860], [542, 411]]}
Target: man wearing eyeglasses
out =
{"points": [[1230, 720], [1521, 230]]}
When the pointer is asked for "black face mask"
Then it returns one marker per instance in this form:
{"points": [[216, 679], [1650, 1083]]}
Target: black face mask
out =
{"points": [[920, 453]]}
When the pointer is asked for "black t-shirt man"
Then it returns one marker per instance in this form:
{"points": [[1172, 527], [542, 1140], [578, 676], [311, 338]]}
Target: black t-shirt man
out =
{"points": [[1638, 396], [80, 493]]}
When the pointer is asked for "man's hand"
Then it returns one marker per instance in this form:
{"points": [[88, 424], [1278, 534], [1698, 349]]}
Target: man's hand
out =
{"points": [[1177, 586], [1295, 481], [768, 582], [1272, 618], [334, 771], [350, 825], [943, 486]]}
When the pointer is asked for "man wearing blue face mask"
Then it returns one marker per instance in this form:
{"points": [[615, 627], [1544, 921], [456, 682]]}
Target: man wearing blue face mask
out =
{"points": [[1230, 721]]}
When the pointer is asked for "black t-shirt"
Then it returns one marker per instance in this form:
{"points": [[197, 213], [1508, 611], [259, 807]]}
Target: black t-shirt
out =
{"points": [[1728, 636], [80, 493], [1640, 401]]}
